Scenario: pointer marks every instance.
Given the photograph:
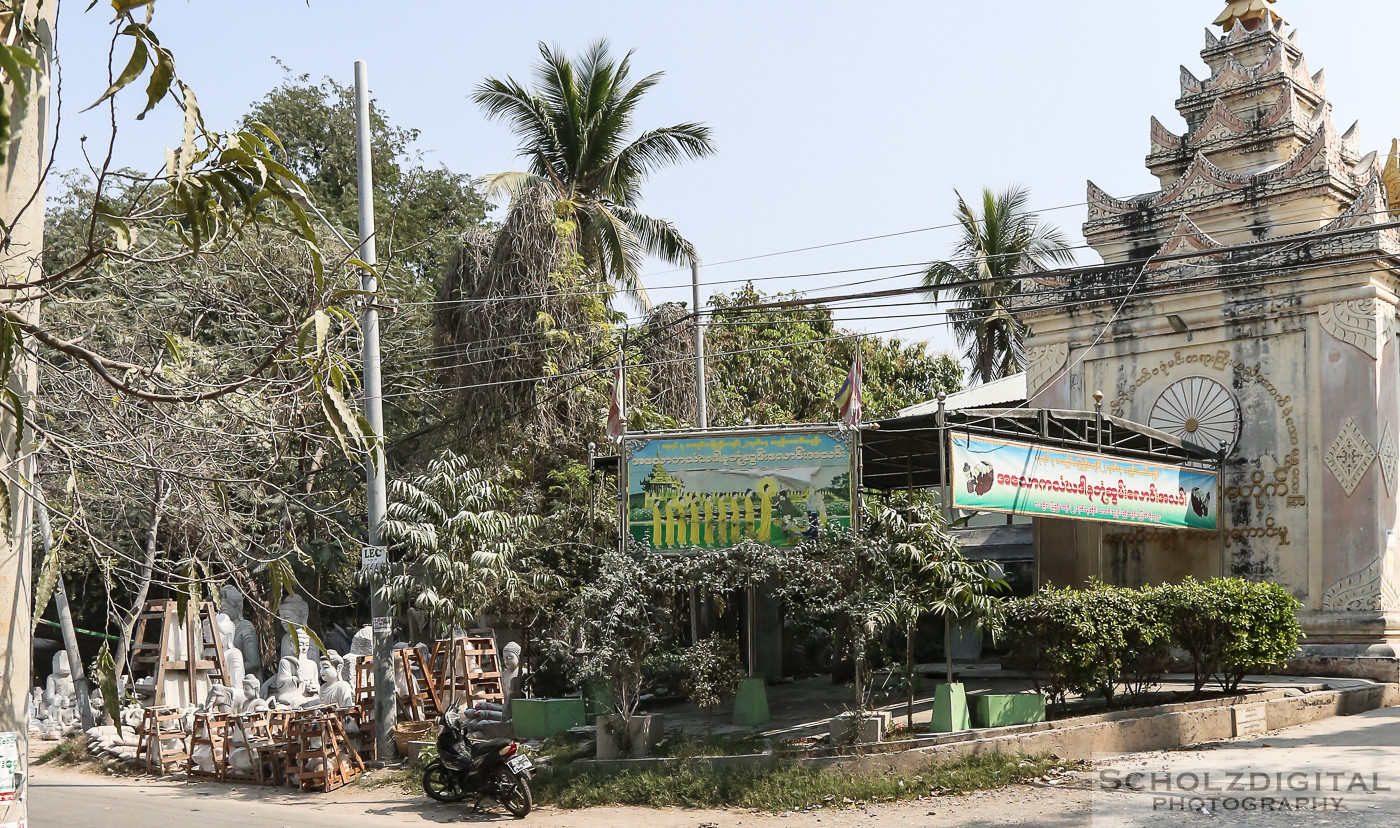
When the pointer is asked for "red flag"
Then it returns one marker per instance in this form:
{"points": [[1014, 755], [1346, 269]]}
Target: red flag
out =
{"points": [[617, 408], [848, 398]]}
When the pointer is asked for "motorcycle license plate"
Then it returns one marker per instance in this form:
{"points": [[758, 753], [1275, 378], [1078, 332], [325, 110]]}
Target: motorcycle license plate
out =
{"points": [[519, 764]]}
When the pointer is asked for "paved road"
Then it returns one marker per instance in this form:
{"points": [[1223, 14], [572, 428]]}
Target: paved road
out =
{"points": [[1340, 772]]}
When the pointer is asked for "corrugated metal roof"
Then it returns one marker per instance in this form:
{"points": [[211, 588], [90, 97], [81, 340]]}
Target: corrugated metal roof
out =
{"points": [[995, 394]]}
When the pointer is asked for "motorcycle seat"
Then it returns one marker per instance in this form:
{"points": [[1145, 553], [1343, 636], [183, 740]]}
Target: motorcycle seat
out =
{"points": [[488, 746]]}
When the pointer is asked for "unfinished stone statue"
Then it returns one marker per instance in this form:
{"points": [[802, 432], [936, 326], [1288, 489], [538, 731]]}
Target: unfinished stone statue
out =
{"points": [[287, 686], [233, 657], [334, 689], [61, 696], [510, 669], [245, 638], [361, 646], [294, 612]]}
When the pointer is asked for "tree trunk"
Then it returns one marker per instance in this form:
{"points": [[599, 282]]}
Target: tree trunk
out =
{"points": [[858, 658], [158, 497], [909, 669]]}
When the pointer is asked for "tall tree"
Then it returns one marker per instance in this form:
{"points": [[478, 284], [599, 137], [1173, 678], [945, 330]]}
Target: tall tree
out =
{"points": [[575, 127], [1001, 242]]}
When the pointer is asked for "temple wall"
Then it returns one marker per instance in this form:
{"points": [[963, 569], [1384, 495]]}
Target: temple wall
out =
{"points": [[1308, 385]]}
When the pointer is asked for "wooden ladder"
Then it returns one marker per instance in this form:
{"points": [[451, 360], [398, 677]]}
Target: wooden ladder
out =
{"points": [[160, 726], [465, 683], [420, 701], [211, 729], [318, 754], [206, 653]]}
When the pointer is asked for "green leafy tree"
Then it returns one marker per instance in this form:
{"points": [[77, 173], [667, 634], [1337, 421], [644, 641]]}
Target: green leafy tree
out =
{"points": [[575, 129], [785, 365], [1002, 241], [926, 572], [458, 544]]}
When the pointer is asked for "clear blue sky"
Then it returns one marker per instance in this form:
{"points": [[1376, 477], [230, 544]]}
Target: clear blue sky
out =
{"points": [[833, 120]]}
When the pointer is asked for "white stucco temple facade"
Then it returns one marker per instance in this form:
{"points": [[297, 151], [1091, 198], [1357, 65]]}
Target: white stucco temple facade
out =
{"points": [[1251, 303]]}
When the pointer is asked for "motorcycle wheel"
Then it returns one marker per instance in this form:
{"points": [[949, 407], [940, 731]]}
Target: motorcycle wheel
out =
{"points": [[513, 792], [441, 784]]}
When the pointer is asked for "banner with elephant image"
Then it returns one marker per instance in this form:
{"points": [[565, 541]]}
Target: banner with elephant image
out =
{"points": [[714, 491], [992, 475]]}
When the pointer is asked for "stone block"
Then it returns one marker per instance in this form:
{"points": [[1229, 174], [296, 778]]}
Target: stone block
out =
{"points": [[643, 733], [997, 710], [542, 718], [751, 703], [949, 709], [1250, 719], [872, 728]]}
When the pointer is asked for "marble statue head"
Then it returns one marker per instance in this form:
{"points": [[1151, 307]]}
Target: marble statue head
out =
{"points": [[250, 686], [294, 610], [60, 664], [226, 629], [329, 673], [231, 601], [510, 656]]}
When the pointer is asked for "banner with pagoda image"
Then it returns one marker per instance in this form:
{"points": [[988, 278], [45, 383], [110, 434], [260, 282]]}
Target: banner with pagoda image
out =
{"points": [[716, 490]]}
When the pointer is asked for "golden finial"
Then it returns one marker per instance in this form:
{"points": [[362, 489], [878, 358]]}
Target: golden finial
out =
{"points": [[1248, 12], [1390, 177]]}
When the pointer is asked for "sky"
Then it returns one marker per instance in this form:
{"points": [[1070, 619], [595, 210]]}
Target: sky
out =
{"points": [[833, 121]]}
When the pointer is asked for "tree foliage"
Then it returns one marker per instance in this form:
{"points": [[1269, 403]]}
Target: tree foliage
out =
{"points": [[1002, 241], [575, 129]]}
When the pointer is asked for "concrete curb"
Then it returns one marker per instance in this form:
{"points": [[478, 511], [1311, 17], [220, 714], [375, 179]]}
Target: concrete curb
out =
{"points": [[1128, 731]]}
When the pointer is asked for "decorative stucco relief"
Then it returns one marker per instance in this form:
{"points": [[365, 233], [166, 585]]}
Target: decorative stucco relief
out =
{"points": [[1367, 589], [1364, 323], [1042, 361], [1388, 453], [1200, 410], [1350, 456]]}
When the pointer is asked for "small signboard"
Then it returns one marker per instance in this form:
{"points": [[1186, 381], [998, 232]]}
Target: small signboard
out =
{"points": [[373, 557], [992, 475], [9, 766], [383, 624]]}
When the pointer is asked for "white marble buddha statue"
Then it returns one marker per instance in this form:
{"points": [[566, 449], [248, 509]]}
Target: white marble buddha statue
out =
{"points": [[245, 638], [294, 613]]}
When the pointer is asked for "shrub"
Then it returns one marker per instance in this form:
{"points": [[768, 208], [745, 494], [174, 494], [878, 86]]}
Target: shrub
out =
{"points": [[1092, 640], [712, 673], [1230, 627]]}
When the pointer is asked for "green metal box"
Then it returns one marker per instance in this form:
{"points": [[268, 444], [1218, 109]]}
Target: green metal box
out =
{"points": [[993, 710], [542, 718]]}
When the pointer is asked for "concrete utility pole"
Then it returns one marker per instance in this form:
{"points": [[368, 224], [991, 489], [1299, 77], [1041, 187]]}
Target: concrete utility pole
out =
{"points": [[65, 617], [702, 420], [385, 693], [702, 417]]}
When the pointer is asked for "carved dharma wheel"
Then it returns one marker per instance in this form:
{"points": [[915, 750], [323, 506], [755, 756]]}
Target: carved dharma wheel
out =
{"points": [[1199, 410]]}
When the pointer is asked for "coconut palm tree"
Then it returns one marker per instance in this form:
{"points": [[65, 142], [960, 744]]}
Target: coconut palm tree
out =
{"points": [[1003, 241], [575, 128]]}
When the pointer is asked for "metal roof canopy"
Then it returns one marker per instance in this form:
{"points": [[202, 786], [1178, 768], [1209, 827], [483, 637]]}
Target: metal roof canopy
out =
{"points": [[909, 452]]}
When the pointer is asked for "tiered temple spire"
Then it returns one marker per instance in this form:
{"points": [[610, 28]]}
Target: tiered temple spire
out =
{"points": [[1260, 156]]}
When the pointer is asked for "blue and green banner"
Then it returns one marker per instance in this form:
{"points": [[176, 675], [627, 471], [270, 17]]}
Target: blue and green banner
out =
{"points": [[991, 475], [716, 490]]}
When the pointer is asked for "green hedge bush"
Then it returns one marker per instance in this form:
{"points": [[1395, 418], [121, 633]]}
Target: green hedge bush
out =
{"points": [[1106, 639]]}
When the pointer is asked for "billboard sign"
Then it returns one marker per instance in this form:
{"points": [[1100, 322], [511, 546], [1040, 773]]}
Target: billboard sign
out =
{"points": [[992, 475], [715, 490]]}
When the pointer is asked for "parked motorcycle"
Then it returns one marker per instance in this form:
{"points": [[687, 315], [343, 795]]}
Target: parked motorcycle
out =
{"points": [[466, 767]]}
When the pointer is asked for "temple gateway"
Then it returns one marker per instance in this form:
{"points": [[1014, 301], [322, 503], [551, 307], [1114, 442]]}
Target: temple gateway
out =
{"points": [[1248, 304]]}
